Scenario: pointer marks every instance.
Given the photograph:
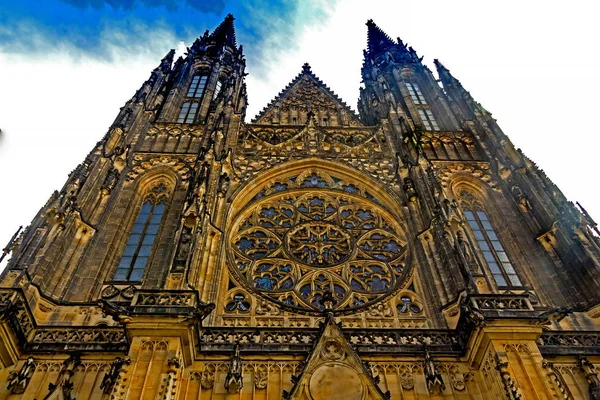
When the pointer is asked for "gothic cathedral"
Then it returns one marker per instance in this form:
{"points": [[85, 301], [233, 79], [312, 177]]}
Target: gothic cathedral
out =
{"points": [[405, 252]]}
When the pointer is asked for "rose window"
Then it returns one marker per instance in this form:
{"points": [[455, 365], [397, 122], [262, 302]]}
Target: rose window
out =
{"points": [[293, 246]]}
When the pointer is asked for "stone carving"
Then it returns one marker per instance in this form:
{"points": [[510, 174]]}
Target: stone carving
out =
{"points": [[18, 381], [234, 380], [554, 315], [557, 380], [182, 165], [510, 386], [261, 376], [433, 378], [118, 160], [292, 248], [479, 170], [63, 386], [117, 312], [171, 378], [267, 308], [183, 250], [207, 379], [332, 350], [112, 377], [472, 313], [165, 298], [501, 302], [591, 375]]}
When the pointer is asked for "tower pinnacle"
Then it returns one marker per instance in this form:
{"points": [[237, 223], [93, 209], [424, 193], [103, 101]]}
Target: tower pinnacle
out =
{"points": [[377, 39], [224, 34]]}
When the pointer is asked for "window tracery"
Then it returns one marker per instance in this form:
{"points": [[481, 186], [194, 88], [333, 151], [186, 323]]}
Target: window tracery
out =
{"points": [[312, 234], [488, 242], [141, 240], [317, 179]]}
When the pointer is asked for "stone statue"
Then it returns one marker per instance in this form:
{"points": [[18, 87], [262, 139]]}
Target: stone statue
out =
{"points": [[18, 381], [433, 378], [234, 380]]}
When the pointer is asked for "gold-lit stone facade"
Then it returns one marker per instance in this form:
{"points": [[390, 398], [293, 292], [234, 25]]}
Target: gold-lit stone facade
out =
{"points": [[405, 252]]}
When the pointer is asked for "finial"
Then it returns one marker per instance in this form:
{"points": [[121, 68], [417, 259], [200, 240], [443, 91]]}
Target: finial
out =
{"points": [[230, 16], [306, 68], [370, 22]]}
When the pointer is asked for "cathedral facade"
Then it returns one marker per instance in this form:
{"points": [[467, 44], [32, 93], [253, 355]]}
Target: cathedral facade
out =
{"points": [[407, 251]]}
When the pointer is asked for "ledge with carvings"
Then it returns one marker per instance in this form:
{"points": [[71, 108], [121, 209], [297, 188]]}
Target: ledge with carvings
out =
{"points": [[32, 338]]}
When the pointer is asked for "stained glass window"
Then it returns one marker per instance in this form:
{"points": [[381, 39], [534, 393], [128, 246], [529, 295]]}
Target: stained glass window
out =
{"points": [[139, 246], [294, 247]]}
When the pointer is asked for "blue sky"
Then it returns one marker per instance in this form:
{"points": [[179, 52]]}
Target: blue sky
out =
{"points": [[93, 28], [67, 66]]}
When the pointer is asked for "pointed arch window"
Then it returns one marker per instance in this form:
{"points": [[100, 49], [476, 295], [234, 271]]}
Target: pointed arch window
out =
{"points": [[491, 248], [188, 112], [141, 240], [197, 86], [415, 93], [428, 120], [218, 87]]}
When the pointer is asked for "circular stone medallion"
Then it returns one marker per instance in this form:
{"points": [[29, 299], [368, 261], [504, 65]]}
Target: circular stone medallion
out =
{"points": [[319, 244]]}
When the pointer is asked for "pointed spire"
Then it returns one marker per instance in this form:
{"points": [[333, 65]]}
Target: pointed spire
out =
{"points": [[306, 69], [224, 34], [445, 76], [166, 62], [377, 39]]}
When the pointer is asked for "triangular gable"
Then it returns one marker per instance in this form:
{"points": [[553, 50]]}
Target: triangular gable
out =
{"points": [[334, 371], [307, 94]]}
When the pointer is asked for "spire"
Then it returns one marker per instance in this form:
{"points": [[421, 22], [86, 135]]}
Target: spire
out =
{"points": [[457, 93], [224, 34], [166, 62], [446, 77], [377, 39]]}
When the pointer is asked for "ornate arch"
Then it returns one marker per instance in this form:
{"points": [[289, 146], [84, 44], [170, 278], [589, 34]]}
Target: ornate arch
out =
{"points": [[312, 229]]}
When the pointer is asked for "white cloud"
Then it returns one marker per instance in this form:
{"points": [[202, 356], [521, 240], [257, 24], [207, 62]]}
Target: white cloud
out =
{"points": [[532, 64]]}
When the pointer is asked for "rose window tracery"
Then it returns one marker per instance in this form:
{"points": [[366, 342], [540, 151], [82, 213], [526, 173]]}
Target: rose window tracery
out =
{"points": [[296, 244]]}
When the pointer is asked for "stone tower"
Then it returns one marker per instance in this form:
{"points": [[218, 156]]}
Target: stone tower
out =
{"points": [[407, 252]]}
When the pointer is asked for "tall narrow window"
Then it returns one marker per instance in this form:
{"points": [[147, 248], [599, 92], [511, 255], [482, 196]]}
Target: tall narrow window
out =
{"points": [[496, 258], [429, 121], [197, 86], [325, 121], [415, 93], [188, 112], [217, 89], [136, 254]]}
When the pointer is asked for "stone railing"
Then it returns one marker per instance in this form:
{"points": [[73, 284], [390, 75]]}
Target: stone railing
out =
{"points": [[79, 338], [397, 341], [172, 302], [501, 302], [555, 343]]}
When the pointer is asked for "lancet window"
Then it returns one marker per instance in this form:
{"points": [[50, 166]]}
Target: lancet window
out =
{"points": [[415, 93], [141, 240], [428, 120], [491, 248], [197, 86], [188, 112], [218, 88]]}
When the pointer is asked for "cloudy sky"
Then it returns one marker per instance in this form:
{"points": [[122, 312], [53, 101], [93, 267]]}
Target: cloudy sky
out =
{"points": [[67, 66]]}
